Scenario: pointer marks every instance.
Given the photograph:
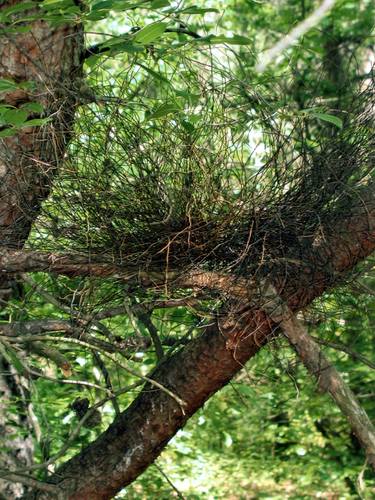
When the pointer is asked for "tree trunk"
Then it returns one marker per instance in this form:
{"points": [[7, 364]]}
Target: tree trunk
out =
{"points": [[48, 58], [16, 451]]}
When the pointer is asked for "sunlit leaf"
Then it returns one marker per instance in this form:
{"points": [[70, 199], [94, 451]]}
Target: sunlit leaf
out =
{"points": [[158, 4], [164, 110], [15, 116], [335, 120], [233, 40], [8, 132], [197, 10], [33, 107], [19, 8], [150, 33], [36, 122]]}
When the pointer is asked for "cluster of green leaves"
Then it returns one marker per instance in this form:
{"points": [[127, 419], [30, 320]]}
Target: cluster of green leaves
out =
{"points": [[12, 118]]}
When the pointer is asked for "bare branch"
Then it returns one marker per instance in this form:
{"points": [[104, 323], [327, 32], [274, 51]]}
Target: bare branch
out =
{"points": [[344, 348], [319, 366], [296, 33]]}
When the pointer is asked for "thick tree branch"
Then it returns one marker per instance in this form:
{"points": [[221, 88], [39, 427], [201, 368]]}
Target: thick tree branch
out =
{"points": [[139, 434]]}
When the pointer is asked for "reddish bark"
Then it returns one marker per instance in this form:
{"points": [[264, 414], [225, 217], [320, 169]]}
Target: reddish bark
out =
{"points": [[140, 433], [49, 59]]}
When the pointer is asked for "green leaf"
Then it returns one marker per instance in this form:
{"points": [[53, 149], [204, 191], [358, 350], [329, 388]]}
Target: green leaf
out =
{"points": [[26, 85], [335, 120], [8, 132], [122, 46], [189, 127], [60, 5], [117, 5], [15, 116], [155, 74], [193, 99], [158, 4], [19, 8], [100, 10], [106, 5], [233, 40], [33, 107], [11, 356], [6, 85], [164, 110], [197, 10], [92, 60], [150, 33], [37, 122], [4, 108]]}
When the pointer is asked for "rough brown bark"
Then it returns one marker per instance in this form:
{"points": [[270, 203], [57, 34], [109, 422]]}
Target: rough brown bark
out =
{"points": [[49, 59], [140, 433]]}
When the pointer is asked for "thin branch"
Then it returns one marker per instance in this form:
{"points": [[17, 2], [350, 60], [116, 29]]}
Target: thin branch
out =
{"points": [[32, 483], [145, 318], [102, 48], [366, 396], [328, 378], [174, 488], [39, 374], [80, 318], [109, 356], [344, 348], [40, 327], [107, 379], [296, 33], [133, 317], [76, 430], [72, 265], [52, 354]]}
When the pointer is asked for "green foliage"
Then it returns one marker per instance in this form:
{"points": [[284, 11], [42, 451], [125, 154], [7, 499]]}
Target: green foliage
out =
{"points": [[182, 143], [254, 441]]}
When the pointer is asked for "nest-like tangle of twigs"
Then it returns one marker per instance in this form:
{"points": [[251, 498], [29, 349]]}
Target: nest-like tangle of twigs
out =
{"points": [[207, 175]]}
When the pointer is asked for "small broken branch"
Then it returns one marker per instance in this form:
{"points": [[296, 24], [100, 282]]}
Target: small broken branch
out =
{"points": [[328, 378]]}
